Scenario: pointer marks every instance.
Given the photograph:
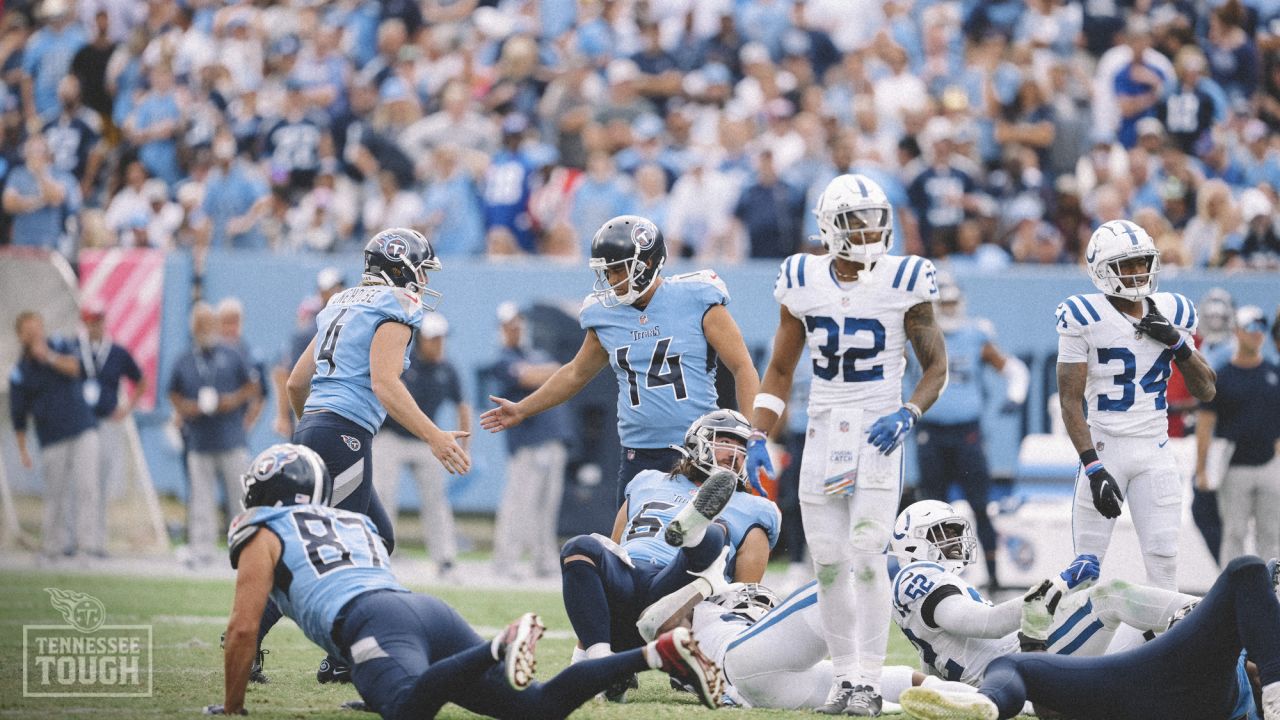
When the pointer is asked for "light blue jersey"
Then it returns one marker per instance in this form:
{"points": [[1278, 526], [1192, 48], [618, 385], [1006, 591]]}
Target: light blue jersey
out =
{"points": [[666, 369], [653, 500], [345, 329], [328, 556], [964, 398]]}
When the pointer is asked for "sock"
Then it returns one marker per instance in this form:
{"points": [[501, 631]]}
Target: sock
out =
{"points": [[937, 683], [836, 608], [495, 646], [585, 602], [871, 598], [895, 679], [597, 651], [578, 655], [575, 685], [652, 657]]}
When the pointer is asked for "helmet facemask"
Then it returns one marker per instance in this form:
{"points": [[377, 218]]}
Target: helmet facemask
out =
{"points": [[951, 541], [1116, 282], [418, 285], [637, 279], [720, 449], [750, 600], [862, 235]]}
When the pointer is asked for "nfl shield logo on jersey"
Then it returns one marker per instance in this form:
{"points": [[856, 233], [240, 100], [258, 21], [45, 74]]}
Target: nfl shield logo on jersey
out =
{"points": [[1101, 446], [352, 443], [644, 319], [844, 426]]}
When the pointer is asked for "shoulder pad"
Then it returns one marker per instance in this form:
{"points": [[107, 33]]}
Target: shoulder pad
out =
{"points": [[642, 479], [915, 582], [917, 276], [705, 277], [407, 306], [589, 303], [793, 272], [1179, 309], [1075, 313], [244, 526]]}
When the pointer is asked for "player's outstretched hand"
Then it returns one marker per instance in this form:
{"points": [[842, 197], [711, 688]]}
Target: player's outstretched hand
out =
{"points": [[1083, 570], [450, 454], [758, 459], [220, 710], [503, 417], [887, 432], [1157, 327], [1036, 616], [1106, 491]]}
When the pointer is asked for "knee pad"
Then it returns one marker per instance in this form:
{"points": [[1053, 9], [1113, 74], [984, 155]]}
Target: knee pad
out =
{"points": [[1162, 543], [583, 545], [828, 549], [870, 537]]}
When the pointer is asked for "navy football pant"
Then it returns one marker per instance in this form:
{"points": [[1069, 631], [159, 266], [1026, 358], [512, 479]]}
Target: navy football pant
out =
{"points": [[410, 654], [950, 454], [604, 596], [347, 452], [1188, 673], [636, 459]]}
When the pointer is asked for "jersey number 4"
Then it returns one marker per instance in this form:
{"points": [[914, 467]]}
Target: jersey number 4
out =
{"points": [[835, 360], [331, 340], [1154, 382], [663, 370]]}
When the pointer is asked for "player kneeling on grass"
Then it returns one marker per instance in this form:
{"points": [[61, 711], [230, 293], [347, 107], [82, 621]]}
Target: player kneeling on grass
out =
{"points": [[410, 654], [695, 519]]}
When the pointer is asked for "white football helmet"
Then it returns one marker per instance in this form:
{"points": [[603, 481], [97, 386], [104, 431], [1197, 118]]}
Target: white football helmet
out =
{"points": [[751, 600], [855, 220], [1111, 245], [932, 531]]}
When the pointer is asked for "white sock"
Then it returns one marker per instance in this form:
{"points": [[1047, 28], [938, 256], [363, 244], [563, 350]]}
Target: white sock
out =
{"points": [[872, 599], [578, 655], [836, 608], [694, 537], [937, 683], [599, 650], [651, 656], [894, 680], [495, 646]]}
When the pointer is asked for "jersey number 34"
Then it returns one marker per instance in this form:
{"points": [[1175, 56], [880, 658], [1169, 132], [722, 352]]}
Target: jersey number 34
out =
{"points": [[1154, 382]]}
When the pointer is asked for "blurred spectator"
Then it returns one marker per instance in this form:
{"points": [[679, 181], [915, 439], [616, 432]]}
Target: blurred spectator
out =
{"points": [[651, 200], [1245, 412], [942, 191], [507, 184], [455, 123], [601, 195], [47, 58], [1128, 81], [46, 385], [325, 216], [530, 507], [72, 137], [1215, 226], [209, 390], [1259, 247], [1217, 327], [42, 200], [452, 212], [230, 313], [388, 204], [105, 363], [700, 214], [231, 193], [1233, 56], [154, 124], [771, 213], [432, 381], [294, 142], [1188, 111]]}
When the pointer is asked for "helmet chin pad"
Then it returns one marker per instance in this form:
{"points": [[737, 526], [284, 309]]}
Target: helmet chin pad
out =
{"points": [[1108, 277]]}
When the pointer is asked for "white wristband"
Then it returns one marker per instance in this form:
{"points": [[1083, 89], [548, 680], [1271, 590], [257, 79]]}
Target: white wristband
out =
{"points": [[765, 401]]}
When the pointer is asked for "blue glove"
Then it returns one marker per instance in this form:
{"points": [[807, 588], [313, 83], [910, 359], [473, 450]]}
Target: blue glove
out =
{"points": [[887, 432], [1083, 569], [758, 457]]}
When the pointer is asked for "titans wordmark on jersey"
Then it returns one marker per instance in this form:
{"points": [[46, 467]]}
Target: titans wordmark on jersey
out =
{"points": [[327, 557], [345, 329], [665, 367], [917, 590], [856, 331], [1128, 371], [653, 500]]}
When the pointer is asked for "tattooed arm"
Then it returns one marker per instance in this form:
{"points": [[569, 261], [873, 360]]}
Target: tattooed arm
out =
{"points": [[1072, 378], [931, 352], [1200, 378]]}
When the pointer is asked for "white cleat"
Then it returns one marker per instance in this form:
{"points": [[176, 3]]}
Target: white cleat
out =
{"points": [[713, 495], [713, 576], [924, 703], [1271, 701]]}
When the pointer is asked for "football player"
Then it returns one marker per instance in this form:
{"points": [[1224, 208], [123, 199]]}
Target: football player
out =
{"points": [[949, 437], [1193, 671], [661, 335], [348, 380], [1115, 350], [856, 307], [328, 569], [663, 532]]}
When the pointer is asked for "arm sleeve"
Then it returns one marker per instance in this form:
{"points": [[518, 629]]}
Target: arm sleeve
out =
{"points": [[968, 618]]}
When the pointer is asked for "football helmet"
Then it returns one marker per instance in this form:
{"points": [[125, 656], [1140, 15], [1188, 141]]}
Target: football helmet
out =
{"points": [[855, 220], [287, 474], [932, 531], [1217, 315], [724, 430], [402, 257], [1109, 247], [950, 302], [750, 600], [634, 244]]}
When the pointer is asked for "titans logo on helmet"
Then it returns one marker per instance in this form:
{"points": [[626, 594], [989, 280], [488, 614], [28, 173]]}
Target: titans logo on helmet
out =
{"points": [[641, 236], [394, 247], [268, 464]]}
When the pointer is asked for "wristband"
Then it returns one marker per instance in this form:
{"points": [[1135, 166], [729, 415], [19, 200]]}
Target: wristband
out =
{"points": [[913, 409], [1089, 459], [1182, 350], [758, 435], [766, 401]]}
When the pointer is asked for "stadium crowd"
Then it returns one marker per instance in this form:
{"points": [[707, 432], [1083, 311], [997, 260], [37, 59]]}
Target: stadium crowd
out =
{"points": [[1008, 129]]}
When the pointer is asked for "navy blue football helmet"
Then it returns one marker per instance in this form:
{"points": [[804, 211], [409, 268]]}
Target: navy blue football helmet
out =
{"points": [[402, 257], [287, 474], [634, 244]]}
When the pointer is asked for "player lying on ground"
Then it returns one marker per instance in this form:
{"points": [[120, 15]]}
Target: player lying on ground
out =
{"points": [[328, 570], [1193, 671], [663, 532]]}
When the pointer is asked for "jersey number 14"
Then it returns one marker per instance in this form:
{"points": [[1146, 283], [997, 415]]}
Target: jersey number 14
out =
{"points": [[663, 370]]}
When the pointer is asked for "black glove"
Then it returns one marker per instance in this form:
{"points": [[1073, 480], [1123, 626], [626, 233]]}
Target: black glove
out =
{"points": [[1106, 493], [1158, 328]]}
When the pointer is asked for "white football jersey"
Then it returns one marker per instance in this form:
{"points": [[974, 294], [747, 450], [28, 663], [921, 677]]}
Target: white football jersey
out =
{"points": [[856, 334], [1128, 371], [917, 590], [715, 627]]}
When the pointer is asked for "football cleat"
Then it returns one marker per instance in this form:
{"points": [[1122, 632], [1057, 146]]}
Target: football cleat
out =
{"points": [[924, 703], [683, 660], [849, 699], [516, 648], [332, 670], [255, 670], [617, 692], [713, 495], [1271, 701]]}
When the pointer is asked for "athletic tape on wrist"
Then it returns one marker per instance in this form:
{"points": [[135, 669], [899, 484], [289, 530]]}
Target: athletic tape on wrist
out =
{"points": [[766, 401]]}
